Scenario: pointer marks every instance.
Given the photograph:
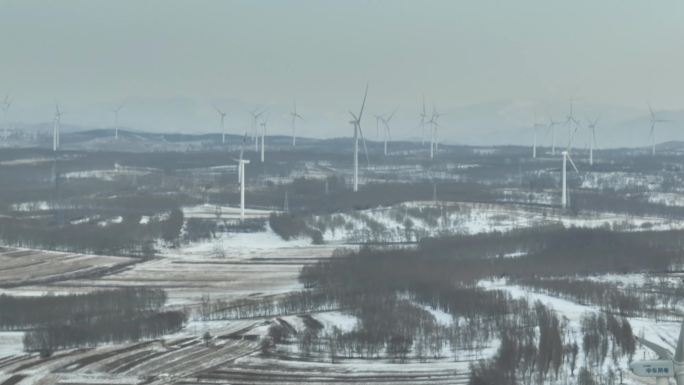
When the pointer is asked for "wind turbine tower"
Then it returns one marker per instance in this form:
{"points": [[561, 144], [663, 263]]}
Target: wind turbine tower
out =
{"points": [[263, 139], [356, 122], [423, 116], [116, 121], [592, 139], [241, 172], [6, 104], [255, 129], [552, 127], [654, 120], [564, 195], [222, 114], [433, 131], [571, 121], [56, 128], [534, 144], [385, 122], [295, 116]]}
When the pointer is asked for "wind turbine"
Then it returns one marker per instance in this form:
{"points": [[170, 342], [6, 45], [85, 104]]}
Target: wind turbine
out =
{"points": [[295, 116], [654, 120], [222, 114], [534, 144], [385, 122], [592, 139], [564, 179], [116, 120], [423, 116], [570, 120], [56, 128], [666, 366], [552, 125], [255, 129], [356, 122], [433, 131], [6, 104], [263, 138], [241, 175], [378, 119]]}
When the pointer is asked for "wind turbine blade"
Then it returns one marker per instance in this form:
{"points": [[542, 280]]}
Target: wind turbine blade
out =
{"points": [[392, 114], [572, 163], [662, 353], [365, 148], [651, 110], [364, 103]]}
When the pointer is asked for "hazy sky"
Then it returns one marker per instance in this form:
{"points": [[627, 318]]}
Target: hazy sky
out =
{"points": [[85, 53]]}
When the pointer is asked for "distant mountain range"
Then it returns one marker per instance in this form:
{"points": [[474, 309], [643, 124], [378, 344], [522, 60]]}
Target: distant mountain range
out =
{"points": [[491, 123]]}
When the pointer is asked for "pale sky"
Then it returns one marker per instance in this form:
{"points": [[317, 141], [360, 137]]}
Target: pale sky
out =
{"points": [[89, 53]]}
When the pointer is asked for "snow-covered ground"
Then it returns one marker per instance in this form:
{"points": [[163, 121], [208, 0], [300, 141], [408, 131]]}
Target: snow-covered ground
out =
{"points": [[414, 220]]}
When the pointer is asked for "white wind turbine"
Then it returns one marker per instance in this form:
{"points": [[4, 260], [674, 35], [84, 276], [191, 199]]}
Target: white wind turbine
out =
{"points": [[570, 120], [564, 179], [666, 366], [255, 129], [56, 127], [356, 122], [241, 176], [385, 122], [592, 139], [6, 104], [116, 120], [423, 116], [263, 139], [294, 116], [222, 114], [552, 126], [378, 119], [534, 143], [433, 131], [654, 120]]}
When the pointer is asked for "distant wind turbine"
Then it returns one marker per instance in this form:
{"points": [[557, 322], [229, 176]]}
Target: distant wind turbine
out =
{"points": [[222, 114], [423, 117], [654, 120], [6, 104], [356, 122], [433, 131], [564, 179], [241, 175], [552, 127], [294, 116], [56, 128], [385, 122], [378, 119], [256, 113], [116, 120], [263, 139], [592, 138], [571, 121], [534, 143]]}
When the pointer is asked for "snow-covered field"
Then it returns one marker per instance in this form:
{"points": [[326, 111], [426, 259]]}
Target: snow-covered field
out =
{"points": [[414, 220]]}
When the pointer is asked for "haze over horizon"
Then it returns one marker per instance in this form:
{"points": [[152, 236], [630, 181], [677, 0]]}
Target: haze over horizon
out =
{"points": [[484, 63]]}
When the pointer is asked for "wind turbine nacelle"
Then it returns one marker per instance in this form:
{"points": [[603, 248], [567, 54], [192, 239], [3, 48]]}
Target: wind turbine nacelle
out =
{"points": [[655, 368]]}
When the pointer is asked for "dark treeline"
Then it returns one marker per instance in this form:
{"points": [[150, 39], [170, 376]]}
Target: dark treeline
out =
{"points": [[30, 312], [63, 322], [659, 300], [105, 329], [289, 226], [549, 251], [128, 237]]}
